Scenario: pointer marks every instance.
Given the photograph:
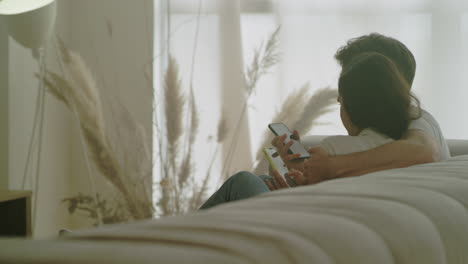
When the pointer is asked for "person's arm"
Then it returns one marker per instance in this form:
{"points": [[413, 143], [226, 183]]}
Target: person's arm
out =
{"points": [[415, 148]]}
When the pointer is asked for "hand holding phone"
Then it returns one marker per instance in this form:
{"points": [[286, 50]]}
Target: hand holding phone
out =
{"points": [[296, 148], [277, 164]]}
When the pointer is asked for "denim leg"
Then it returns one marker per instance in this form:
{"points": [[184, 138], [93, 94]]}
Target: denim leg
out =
{"points": [[240, 186]]}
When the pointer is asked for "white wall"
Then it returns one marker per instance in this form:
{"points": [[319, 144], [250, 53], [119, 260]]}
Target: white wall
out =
{"points": [[115, 39], [116, 60], [55, 156]]}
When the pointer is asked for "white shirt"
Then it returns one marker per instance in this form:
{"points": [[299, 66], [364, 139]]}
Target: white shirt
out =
{"points": [[342, 145], [369, 139], [429, 125]]}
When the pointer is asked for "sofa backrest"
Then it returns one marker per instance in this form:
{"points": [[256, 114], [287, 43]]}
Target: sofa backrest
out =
{"points": [[457, 147]]}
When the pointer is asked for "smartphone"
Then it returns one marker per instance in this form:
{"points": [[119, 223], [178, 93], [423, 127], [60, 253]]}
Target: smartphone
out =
{"points": [[280, 129], [277, 163]]}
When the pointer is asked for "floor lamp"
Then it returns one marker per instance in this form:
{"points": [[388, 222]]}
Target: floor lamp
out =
{"points": [[31, 24]]}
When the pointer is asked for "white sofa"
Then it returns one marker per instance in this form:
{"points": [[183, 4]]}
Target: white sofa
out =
{"points": [[412, 215]]}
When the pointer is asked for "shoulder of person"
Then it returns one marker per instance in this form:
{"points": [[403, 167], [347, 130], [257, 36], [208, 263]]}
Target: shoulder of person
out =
{"points": [[341, 145], [424, 122], [429, 125], [332, 144]]}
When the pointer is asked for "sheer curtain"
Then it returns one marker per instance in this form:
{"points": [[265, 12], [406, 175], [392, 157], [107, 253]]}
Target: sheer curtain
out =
{"points": [[311, 32]]}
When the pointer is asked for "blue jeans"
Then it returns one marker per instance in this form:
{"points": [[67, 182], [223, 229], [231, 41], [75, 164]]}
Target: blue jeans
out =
{"points": [[240, 186]]}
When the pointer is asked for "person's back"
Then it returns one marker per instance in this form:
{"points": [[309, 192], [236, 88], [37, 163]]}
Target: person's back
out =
{"points": [[429, 125]]}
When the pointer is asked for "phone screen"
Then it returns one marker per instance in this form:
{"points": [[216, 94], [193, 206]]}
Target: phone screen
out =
{"points": [[280, 129]]}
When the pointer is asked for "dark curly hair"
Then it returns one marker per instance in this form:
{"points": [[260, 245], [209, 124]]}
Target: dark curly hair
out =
{"points": [[375, 95], [375, 42]]}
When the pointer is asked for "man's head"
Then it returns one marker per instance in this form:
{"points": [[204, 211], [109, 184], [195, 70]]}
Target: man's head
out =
{"points": [[387, 46]]}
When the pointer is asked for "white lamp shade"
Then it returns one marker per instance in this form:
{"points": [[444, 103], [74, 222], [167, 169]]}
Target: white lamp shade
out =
{"points": [[29, 22]]}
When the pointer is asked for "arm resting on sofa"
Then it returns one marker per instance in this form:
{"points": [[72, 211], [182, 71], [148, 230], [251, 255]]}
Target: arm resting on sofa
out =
{"points": [[457, 147]]}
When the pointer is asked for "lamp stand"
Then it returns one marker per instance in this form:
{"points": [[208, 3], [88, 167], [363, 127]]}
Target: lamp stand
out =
{"points": [[37, 133]]}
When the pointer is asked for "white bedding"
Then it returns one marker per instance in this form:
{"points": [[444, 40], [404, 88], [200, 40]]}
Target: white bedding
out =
{"points": [[412, 215]]}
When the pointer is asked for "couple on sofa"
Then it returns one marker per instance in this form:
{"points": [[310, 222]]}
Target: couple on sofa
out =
{"points": [[386, 126]]}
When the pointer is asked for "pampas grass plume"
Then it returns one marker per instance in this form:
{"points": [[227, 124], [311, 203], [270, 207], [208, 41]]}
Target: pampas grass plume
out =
{"points": [[58, 87], [186, 169], [319, 104], [293, 105], [222, 130], [81, 95], [195, 121], [263, 59], [175, 102]]}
